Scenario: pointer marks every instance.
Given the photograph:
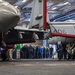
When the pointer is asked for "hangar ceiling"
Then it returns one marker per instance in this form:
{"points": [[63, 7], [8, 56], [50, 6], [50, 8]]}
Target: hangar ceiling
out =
{"points": [[54, 5], [64, 5]]}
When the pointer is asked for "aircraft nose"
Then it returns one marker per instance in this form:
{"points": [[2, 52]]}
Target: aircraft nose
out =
{"points": [[9, 17]]}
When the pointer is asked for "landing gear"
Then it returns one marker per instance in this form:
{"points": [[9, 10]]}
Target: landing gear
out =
{"points": [[2, 44], [2, 48], [3, 55]]}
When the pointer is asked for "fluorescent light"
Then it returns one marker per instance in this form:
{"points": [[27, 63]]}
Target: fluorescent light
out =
{"points": [[66, 3], [24, 0], [54, 8], [62, 4]]}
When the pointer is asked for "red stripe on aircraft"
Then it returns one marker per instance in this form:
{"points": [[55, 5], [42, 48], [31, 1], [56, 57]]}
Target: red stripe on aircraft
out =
{"points": [[63, 35]]}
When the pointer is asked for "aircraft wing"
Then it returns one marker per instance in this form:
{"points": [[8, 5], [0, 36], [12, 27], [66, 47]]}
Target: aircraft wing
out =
{"points": [[63, 35], [27, 29], [23, 35]]}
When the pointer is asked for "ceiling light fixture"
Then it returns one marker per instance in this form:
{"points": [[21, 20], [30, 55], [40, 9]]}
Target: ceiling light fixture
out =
{"points": [[24, 0], [66, 3], [54, 8]]}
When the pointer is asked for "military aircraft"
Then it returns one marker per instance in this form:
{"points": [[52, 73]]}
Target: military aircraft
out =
{"points": [[39, 18], [36, 19]]}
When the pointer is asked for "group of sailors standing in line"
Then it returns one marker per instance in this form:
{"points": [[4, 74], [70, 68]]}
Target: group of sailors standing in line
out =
{"points": [[32, 52], [63, 51]]}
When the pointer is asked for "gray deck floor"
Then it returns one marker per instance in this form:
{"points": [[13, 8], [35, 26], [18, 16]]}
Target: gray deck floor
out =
{"points": [[37, 67]]}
